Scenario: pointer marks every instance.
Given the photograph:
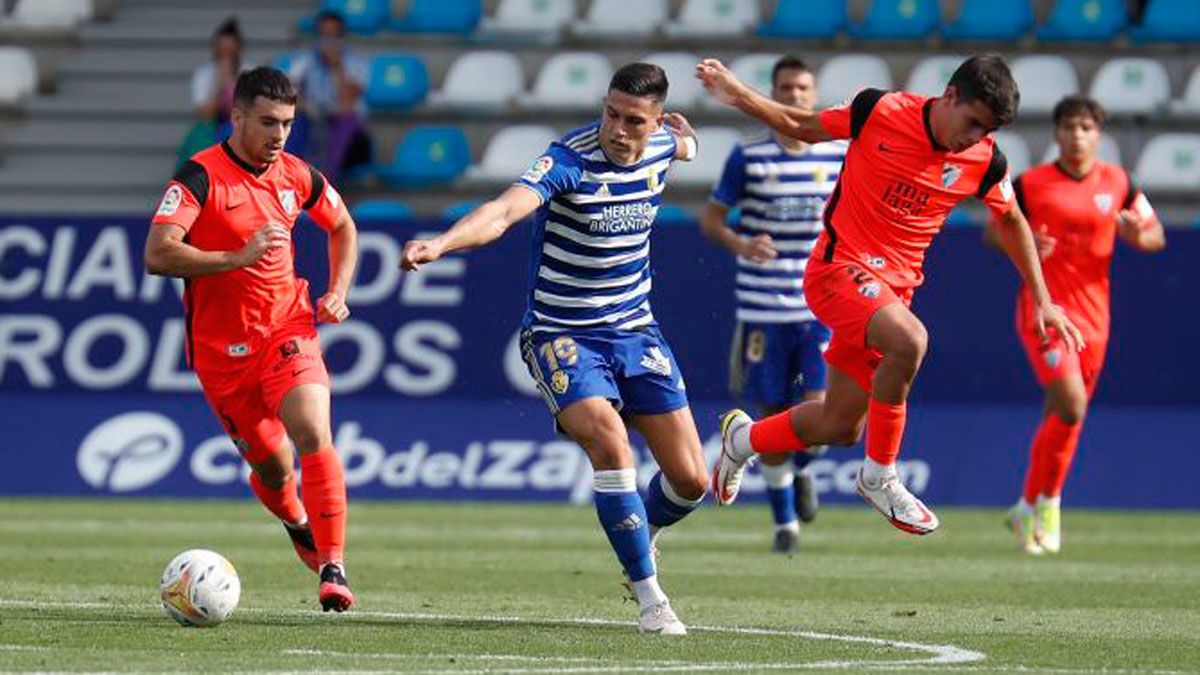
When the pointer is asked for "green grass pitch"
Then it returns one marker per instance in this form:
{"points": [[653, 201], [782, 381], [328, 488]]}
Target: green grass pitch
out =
{"points": [[450, 588]]}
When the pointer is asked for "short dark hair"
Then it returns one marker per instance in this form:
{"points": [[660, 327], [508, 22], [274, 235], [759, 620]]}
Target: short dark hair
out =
{"points": [[641, 79], [789, 62], [264, 81], [228, 28], [986, 78], [330, 15], [1078, 104]]}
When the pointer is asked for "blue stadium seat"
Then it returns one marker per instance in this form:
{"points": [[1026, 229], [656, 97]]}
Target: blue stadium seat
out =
{"points": [[375, 210], [364, 17], [1169, 21], [991, 20], [458, 210], [428, 156], [961, 216], [1085, 20], [397, 81], [440, 16], [899, 20], [806, 19], [672, 215]]}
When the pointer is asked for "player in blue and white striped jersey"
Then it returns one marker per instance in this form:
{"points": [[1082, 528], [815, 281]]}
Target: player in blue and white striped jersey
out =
{"points": [[781, 186], [589, 337]]}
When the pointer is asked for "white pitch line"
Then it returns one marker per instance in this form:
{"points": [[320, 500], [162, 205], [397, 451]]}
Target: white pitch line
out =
{"points": [[939, 654]]}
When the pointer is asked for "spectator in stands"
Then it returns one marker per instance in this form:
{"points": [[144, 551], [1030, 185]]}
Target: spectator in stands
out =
{"points": [[212, 82], [332, 80]]}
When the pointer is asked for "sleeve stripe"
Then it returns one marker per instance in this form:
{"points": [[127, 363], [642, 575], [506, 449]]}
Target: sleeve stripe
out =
{"points": [[861, 107], [1019, 191], [995, 173], [193, 176], [316, 189], [1131, 191]]}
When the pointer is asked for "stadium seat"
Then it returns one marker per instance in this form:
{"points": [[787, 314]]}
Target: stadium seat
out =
{"points": [[705, 170], [52, 13], [439, 16], [484, 81], [962, 216], [754, 70], [622, 19], [1169, 21], [712, 18], [1043, 80], [899, 20], [929, 77], [380, 210], [1188, 105], [1170, 162], [363, 17], [528, 19], [1016, 150], [510, 152], [806, 19], [571, 80], [671, 215], [1084, 20], [841, 77], [458, 210], [18, 75], [1108, 151], [397, 81], [991, 20], [428, 155], [1132, 85], [684, 89]]}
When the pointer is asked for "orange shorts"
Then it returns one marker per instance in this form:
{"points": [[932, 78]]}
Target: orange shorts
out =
{"points": [[247, 399], [844, 296], [1052, 361]]}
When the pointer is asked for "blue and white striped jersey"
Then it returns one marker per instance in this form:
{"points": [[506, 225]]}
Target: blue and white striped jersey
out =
{"points": [[591, 236], [783, 194]]}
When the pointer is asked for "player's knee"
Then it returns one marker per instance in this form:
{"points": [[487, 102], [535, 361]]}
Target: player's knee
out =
{"points": [[910, 346], [273, 476], [692, 486], [310, 437], [1072, 410], [605, 442], [844, 434]]}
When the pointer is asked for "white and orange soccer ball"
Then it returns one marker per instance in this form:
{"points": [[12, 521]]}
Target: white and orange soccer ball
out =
{"points": [[199, 588]]}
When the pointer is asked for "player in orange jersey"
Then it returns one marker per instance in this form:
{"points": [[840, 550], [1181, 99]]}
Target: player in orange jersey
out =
{"points": [[911, 160], [224, 226], [1078, 205]]}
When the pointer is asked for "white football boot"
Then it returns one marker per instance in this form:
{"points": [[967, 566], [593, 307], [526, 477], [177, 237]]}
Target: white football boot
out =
{"points": [[660, 619], [1020, 519], [899, 506], [1049, 523], [731, 465]]}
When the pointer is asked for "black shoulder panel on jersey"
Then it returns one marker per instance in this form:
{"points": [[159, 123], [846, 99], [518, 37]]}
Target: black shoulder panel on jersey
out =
{"points": [[1019, 192], [318, 186], [861, 107], [1131, 190], [193, 176], [995, 173]]}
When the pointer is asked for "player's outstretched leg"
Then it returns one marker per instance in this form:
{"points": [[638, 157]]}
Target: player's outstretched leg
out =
{"points": [[781, 495], [665, 506], [273, 481], [679, 487], [807, 501]]}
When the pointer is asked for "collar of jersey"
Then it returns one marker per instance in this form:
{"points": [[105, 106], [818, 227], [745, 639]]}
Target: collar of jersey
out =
{"points": [[242, 164], [925, 110]]}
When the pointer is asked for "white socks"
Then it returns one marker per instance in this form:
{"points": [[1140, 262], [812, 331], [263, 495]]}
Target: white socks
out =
{"points": [[648, 592], [741, 443], [873, 472], [778, 477]]}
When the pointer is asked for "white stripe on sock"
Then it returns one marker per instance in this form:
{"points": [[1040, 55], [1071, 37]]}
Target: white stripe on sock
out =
{"points": [[615, 480], [778, 477], [673, 496]]}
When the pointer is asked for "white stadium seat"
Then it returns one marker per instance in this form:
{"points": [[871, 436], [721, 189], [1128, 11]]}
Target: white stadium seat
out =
{"points": [[1108, 151], [1189, 103], [510, 152], [52, 13], [1016, 150], [709, 18], [571, 80], [841, 77], [488, 80], [754, 70], [684, 88], [534, 19], [715, 145], [929, 77], [622, 18], [1170, 162], [18, 75], [1043, 80], [1132, 86]]}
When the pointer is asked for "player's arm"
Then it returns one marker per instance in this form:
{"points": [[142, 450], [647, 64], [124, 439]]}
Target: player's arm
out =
{"points": [[328, 211], [1138, 225], [485, 224], [1043, 241], [686, 144], [713, 221], [168, 255], [790, 121]]}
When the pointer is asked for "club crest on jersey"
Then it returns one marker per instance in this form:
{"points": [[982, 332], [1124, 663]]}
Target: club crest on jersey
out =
{"points": [[1053, 357], [1104, 201], [870, 289], [287, 199], [950, 174], [652, 180], [559, 381]]}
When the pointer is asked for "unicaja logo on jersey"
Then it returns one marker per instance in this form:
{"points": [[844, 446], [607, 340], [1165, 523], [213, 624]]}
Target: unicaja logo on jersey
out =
{"points": [[129, 452]]}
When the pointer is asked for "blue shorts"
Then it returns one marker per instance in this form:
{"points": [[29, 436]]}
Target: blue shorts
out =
{"points": [[772, 365], [634, 369]]}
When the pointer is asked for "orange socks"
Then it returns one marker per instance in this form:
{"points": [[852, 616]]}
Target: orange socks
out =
{"points": [[324, 488], [1053, 450], [885, 428], [284, 502], [775, 434]]}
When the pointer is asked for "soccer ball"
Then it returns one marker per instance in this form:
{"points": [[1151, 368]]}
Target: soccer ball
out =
{"points": [[199, 588]]}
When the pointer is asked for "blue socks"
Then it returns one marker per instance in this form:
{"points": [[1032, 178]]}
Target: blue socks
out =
{"points": [[664, 506], [623, 517], [781, 492]]}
